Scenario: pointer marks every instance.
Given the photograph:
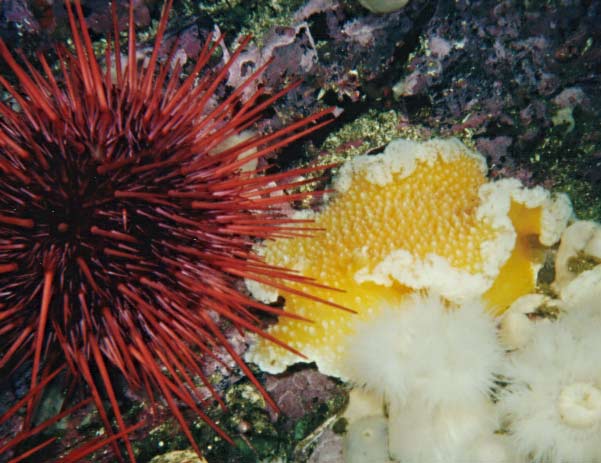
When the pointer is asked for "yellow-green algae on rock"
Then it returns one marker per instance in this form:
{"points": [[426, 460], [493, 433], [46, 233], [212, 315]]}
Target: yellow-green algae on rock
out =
{"points": [[383, 6], [418, 216], [179, 456]]}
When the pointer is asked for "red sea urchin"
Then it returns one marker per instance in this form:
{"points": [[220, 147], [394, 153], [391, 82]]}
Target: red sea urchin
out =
{"points": [[122, 239]]}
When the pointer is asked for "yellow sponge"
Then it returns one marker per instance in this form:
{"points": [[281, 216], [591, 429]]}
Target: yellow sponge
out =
{"points": [[418, 216]]}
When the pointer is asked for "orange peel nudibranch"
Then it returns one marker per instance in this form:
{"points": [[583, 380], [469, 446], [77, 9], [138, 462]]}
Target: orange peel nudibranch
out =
{"points": [[419, 216]]}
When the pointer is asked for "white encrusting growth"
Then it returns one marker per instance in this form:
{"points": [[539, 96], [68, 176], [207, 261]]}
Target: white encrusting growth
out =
{"points": [[553, 405], [367, 441], [580, 405], [444, 354], [433, 364], [433, 272], [517, 324], [418, 433]]}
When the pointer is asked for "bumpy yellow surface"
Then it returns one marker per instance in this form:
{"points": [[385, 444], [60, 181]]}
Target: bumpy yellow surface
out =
{"points": [[433, 210]]}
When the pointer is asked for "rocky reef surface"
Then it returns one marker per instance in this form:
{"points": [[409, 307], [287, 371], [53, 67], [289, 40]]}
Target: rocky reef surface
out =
{"points": [[518, 81]]}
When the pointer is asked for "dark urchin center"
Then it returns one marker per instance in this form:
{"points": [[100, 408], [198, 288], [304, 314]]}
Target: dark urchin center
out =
{"points": [[68, 211], [84, 229]]}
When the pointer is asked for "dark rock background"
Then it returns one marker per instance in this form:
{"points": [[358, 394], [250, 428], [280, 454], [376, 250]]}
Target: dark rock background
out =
{"points": [[519, 81]]}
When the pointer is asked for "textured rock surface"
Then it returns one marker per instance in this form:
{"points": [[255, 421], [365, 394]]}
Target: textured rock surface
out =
{"points": [[521, 84]]}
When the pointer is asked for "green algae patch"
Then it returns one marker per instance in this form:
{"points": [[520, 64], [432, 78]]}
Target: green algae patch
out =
{"points": [[570, 161], [247, 421]]}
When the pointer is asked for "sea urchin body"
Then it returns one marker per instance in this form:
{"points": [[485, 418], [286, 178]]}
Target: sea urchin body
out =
{"points": [[123, 236]]}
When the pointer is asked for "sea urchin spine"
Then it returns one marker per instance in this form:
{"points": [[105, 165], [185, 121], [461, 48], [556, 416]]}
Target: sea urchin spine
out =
{"points": [[123, 236]]}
